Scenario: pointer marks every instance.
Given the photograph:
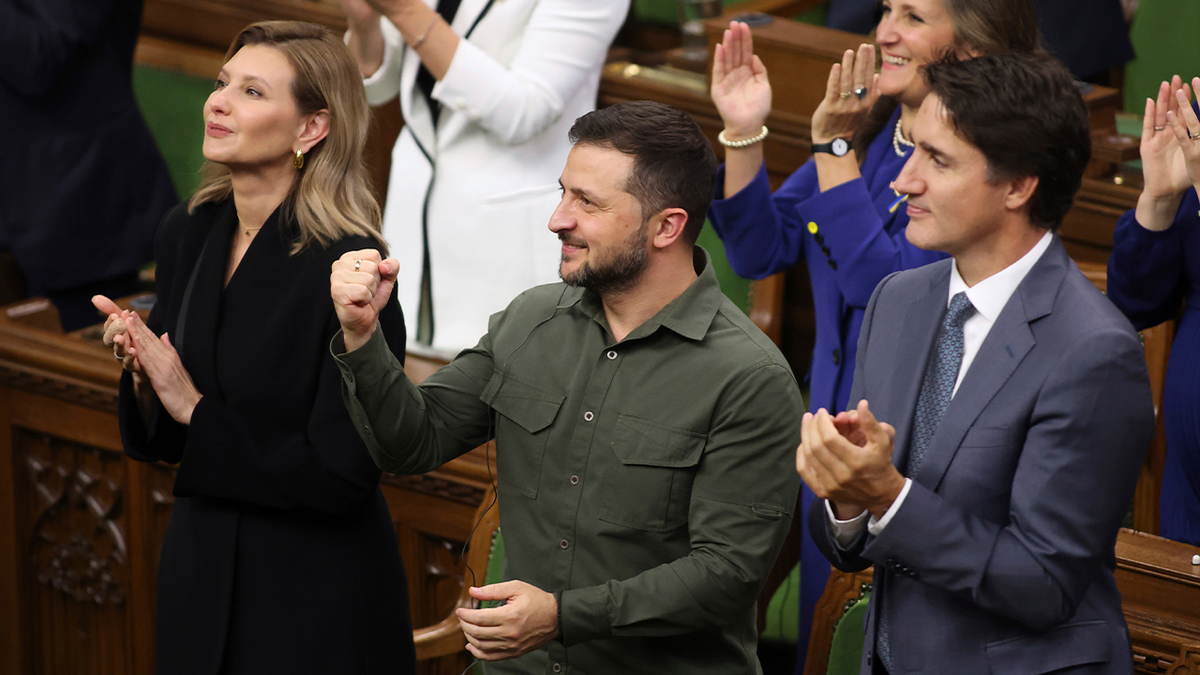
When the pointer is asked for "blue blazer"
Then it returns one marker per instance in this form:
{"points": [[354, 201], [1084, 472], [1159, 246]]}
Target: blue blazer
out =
{"points": [[1001, 558], [849, 238]]}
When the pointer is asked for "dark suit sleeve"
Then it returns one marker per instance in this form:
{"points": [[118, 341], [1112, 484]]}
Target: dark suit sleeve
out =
{"points": [[1089, 428], [851, 559], [318, 464], [39, 41], [1146, 272]]}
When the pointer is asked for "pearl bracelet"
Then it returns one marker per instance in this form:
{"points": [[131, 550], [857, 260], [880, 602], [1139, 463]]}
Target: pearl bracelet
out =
{"points": [[745, 141]]}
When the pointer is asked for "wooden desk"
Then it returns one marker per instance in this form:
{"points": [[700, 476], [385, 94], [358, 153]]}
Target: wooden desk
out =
{"points": [[81, 525]]}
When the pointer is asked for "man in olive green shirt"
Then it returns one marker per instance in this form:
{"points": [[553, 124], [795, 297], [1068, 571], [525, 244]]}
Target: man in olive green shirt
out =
{"points": [[645, 429]]}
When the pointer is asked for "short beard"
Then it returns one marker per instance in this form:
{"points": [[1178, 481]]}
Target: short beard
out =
{"points": [[616, 275]]}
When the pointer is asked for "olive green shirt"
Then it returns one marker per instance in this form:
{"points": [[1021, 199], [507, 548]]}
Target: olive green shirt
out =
{"points": [[651, 481]]}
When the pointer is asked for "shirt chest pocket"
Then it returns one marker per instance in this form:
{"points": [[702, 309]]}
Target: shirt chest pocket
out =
{"points": [[525, 413], [650, 485]]}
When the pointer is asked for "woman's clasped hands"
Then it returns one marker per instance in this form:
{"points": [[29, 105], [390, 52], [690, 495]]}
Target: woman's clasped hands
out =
{"points": [[149, 357]]}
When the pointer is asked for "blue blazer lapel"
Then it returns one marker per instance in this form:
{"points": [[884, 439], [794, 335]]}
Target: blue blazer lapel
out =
{"points": [[1002, 351], [914, 344]]}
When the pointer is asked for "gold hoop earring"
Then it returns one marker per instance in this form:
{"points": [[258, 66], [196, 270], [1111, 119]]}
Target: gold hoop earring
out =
{"points": [[299, 161]]}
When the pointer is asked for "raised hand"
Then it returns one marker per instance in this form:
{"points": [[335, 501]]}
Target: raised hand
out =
{"points": [[740, 89], [162, 366], [360, 13], [1164, 167], [361, 285], [527, 620], [1186, 128], [848, 460], [842, 110]]}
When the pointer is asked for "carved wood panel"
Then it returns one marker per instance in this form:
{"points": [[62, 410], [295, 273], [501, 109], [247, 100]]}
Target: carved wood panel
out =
{"points": [[71, 518]]}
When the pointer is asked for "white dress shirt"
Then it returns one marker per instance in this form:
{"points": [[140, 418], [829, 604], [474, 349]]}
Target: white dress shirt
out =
{"points": [[989, 298]]}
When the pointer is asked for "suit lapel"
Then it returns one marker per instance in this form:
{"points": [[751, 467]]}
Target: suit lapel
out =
{"points": [[470, 13], [1005, 346], [204, 307], [417, 114], [915, 342]]}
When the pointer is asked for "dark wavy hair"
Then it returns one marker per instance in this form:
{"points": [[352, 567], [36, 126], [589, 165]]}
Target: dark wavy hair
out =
{"points": [[1027, 117], [673, 162]]}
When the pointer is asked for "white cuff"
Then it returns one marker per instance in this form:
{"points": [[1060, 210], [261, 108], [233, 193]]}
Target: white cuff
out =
{"points": [[845, 531], [876, 525]]}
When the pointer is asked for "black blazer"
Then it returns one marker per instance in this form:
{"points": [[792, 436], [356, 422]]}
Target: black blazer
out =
{"points": [[82, 184], [281, 555]]}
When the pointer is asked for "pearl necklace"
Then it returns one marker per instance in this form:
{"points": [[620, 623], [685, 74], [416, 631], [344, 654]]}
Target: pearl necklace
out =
{"points": [[899, 142]]}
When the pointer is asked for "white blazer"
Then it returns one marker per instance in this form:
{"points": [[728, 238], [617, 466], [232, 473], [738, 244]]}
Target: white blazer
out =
{"points": [[478, 191]]}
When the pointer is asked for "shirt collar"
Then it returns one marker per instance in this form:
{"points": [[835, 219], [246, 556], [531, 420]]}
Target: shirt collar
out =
{"points": [[689, 315], [990, 295]]}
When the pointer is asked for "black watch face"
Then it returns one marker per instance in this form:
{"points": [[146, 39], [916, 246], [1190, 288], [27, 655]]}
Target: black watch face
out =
{"points": [[840, 146]]}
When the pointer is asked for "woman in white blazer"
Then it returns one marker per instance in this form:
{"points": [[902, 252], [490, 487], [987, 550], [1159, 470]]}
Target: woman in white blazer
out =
{"points": [[475, 170]]}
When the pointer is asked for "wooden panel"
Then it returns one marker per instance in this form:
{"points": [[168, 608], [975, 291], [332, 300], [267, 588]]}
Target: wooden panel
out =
{"points": [[214, 23], [1160, 590], [77, 575]]}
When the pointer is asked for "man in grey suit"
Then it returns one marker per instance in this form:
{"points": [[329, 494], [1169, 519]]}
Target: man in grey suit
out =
{"points": [[1002, 403]]}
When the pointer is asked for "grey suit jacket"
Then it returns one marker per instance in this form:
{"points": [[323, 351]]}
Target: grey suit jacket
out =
{"points": [[1000, 559]]}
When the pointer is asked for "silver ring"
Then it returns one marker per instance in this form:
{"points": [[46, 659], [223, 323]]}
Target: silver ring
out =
{"points": [[118, 356], [357, 264], [861, 92]]}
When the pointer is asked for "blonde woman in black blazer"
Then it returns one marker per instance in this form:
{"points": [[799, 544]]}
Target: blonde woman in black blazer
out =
{"points": [[281, 555]]}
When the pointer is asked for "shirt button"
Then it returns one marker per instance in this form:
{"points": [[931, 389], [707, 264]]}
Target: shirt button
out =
{"points": [[588, 416], [837, 357], [574, 480], [611, 355], [557, 667], [812, 227], [563, 544]]}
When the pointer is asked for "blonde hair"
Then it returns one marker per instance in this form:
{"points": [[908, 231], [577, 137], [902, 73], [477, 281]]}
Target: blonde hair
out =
{"points": [[331, 197]]}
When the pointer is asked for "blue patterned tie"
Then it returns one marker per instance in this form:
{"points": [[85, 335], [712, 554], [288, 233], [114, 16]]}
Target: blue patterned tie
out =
{"points": [[936, 391]]}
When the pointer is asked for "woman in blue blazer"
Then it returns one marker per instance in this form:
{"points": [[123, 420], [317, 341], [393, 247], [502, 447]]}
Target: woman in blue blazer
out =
{"points": [[838, 213], [1154, 272]]}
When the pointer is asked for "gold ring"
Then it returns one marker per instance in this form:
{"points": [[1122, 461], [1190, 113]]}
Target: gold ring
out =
{"points": [[1159, 128], [844, 95]]}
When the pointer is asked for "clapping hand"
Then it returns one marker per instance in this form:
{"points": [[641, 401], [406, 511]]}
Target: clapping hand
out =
{"points": [[360, 13], [361, 285], [1186, 129], [851, 91], [161, 364], [847, 459], [740, 89], [116, 333]]}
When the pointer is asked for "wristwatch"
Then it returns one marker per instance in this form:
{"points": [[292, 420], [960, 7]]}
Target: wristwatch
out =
{"points": [[838, 147]]}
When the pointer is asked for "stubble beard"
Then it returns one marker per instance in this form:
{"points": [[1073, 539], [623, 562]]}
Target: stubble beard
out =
{"points": [[614, 275]]}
